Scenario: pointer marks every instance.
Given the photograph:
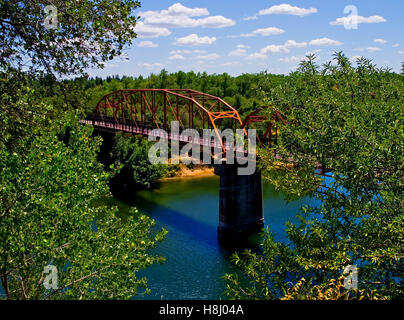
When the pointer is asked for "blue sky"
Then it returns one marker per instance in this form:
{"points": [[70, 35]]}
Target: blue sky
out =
{"points": [[238, 37]]}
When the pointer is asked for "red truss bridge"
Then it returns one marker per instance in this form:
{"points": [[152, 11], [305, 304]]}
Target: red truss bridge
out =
{"points": [[140, 111]]}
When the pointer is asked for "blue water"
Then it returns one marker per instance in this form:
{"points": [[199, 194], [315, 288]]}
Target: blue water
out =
{"points": [[195, 263]]}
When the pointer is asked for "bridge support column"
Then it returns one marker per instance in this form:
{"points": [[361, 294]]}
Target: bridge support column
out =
{"points": [[240, 206]]}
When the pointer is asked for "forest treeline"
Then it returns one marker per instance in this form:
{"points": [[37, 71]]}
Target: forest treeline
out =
{"points": [[244, 92]]}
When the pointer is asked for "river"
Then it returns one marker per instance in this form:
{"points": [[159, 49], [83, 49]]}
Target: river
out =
{"points": [[195, 263]]}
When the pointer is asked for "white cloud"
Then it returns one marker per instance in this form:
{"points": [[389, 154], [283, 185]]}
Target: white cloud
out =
{"points": [[176, 57], [239, 52], [147, 44], [273, 48], [148, 31], [368, 49], [373, 49], [350, 20], [265, 32], [325, 42], [199, 51], [355, 58], [228, 64], [201, 62], [396, 45], [401, 52], [215, 22], [287, 9], [276, 48], [194, 40], [313, 52], [201, 66], [250, 18], [212, 56], [151, 65], [187, 51], [283, 48], [382, 41], [257, 56], [294, 44], [179, 16], [179, 9], [181, 52], [293, 59]]}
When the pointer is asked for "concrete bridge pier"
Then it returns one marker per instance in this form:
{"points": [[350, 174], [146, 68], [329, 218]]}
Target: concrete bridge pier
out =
{"points": [[240, 206]]}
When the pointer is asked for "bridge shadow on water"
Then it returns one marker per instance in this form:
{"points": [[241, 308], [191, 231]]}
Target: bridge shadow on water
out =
{"points": [[197, 215], [175, 221]]}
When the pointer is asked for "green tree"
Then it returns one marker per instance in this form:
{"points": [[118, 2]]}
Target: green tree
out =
{"points": [[87, 34], [350, 121], [180, 79], [19, 114], [137, 172], [48, 187], [50, 180]]}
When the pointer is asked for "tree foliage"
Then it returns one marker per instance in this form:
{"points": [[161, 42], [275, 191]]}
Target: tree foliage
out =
{"points": [[50, 179], [87, 34], [349, 120], [20, 114], [137, 172], [47, 194]]}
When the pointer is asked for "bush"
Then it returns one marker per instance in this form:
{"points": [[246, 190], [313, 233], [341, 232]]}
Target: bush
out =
{"points": [[349, 120]]}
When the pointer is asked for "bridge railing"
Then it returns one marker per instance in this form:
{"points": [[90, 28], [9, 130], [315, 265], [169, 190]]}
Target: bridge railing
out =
{"points": [[148, 129]]}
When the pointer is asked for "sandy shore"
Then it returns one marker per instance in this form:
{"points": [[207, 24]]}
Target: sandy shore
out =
{"points": [[198, 171]]}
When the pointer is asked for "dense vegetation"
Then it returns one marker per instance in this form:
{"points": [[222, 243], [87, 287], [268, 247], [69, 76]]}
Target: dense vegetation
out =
{"points": [[50, 179], [348, 119], [137, 172]]}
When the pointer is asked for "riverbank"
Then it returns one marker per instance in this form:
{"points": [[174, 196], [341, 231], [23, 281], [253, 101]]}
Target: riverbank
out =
{"points": [[194, 172]]}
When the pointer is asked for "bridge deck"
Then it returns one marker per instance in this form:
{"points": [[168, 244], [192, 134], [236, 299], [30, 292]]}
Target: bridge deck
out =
{"points": [[211, 142]]}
